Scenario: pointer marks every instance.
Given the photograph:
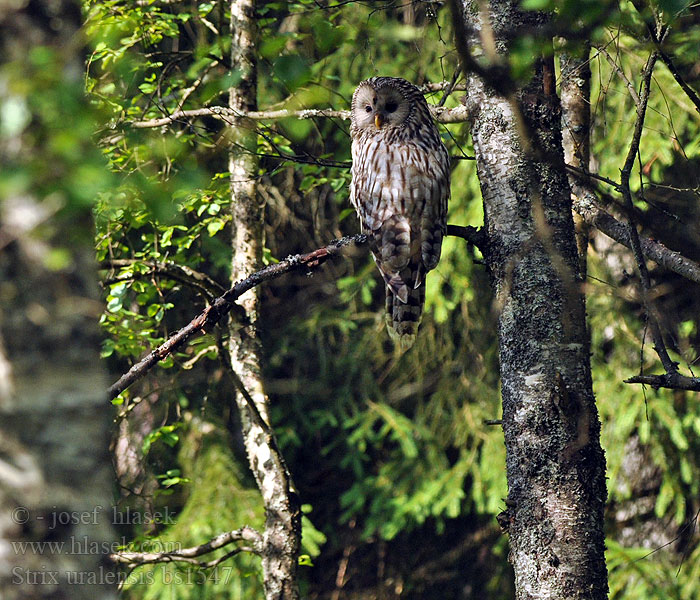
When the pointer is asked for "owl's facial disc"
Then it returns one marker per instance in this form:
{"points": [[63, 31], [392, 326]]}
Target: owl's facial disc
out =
{"points": [[391, 107], [379, 108]]}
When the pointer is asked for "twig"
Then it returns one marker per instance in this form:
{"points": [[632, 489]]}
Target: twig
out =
{"points": [[201, 281], [188, 555], [450, 87], [584, 173], [621, 74], [677, 76], [667, 60]]}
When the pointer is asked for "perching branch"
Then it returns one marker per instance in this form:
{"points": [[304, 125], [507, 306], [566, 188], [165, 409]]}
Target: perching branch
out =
{"points": [[188, 555], [213, 313]]}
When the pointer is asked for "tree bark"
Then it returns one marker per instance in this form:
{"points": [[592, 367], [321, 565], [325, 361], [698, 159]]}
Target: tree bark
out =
{"points": [[55, 472], [555, 465], [281, 539]]}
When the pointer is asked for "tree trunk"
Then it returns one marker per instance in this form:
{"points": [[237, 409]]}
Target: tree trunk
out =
{"points": [[55, 472], [555, 465], [281, 539]]}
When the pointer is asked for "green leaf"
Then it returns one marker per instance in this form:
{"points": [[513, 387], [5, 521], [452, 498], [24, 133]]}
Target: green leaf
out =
{"points": [[214, 226]]}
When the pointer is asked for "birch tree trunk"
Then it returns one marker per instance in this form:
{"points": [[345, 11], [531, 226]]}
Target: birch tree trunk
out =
{"points": [[576, 122], [555, 465], [55, 471], [281, 538]]}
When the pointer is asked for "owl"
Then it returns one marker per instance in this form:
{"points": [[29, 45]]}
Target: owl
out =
{"points": [[400, 186]]}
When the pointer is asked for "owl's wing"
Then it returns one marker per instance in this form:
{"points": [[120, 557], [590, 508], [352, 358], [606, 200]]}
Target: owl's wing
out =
{"points": [[434, 216]]}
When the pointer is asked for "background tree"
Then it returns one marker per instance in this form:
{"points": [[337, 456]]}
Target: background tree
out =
{"points": [[391, 455]]}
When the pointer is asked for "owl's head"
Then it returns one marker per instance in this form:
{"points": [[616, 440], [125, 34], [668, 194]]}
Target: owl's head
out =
{"points": [[382, 103]]}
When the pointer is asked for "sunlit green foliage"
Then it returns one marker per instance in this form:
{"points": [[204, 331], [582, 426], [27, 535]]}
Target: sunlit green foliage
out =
{"points": [[383, 446]]}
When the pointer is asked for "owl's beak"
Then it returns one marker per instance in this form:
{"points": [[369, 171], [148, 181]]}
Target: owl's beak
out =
{"points": [[378, 121]]}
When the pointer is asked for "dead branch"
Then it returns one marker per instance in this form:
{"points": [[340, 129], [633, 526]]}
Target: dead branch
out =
{"points": [[654, 320], [586, 204], [658, 39], [188, 555]]}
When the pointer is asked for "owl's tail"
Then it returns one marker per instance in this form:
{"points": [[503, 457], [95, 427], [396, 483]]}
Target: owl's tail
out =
{"points": [[403, 318]]}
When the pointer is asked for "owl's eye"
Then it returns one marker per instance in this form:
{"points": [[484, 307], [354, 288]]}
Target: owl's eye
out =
{"points": [[391, 107], [368, 108]]}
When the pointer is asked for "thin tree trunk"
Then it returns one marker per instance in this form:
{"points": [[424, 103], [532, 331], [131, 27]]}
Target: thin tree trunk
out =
{"points": [[281, 538], [555, 465], [55, 471], [576, 124]]}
